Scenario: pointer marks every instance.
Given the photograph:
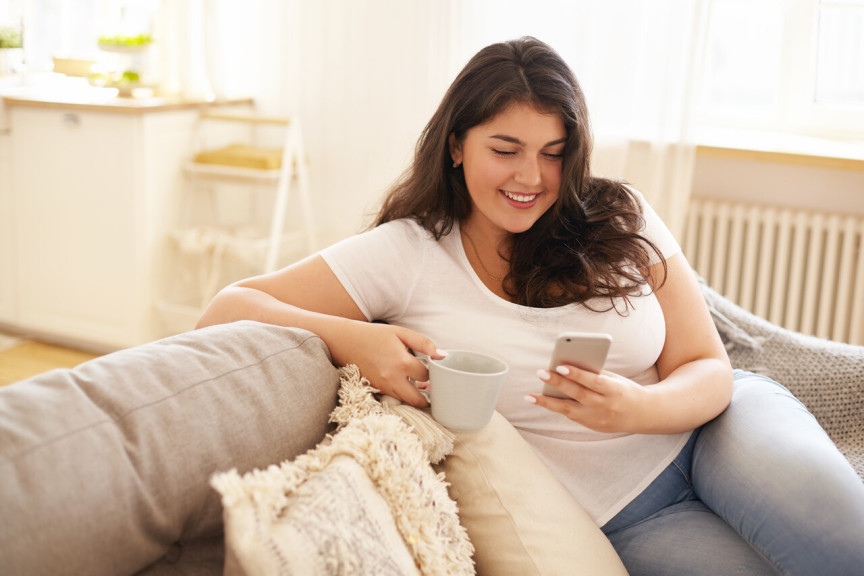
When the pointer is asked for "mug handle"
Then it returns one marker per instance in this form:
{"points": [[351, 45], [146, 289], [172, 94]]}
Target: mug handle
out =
{"points": [[425, 360]]}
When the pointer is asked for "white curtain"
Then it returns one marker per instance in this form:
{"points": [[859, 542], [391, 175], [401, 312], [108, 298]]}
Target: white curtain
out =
{"points": [[364, 76], [210, 49], [637, 61], [180, 34]]}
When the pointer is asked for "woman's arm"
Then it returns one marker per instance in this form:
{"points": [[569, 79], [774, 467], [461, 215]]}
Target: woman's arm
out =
{"points": [[695, 375], [308, 295]]}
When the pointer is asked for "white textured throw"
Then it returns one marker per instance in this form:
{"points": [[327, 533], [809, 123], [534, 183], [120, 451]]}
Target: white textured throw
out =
{"points": [[365, 501]]}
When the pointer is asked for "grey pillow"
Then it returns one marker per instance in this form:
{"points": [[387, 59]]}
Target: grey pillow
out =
{"points": [[104, 468]]}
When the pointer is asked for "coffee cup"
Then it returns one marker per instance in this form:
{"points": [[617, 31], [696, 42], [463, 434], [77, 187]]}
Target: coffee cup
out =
{"points": [[463, 388]]}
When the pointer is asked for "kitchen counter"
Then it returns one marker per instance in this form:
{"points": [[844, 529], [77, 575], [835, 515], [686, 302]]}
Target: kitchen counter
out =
{"points": [[76, 94], [96, 102]]}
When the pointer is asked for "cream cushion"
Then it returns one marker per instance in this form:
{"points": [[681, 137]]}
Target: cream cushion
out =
{"points": [[520, 518]]}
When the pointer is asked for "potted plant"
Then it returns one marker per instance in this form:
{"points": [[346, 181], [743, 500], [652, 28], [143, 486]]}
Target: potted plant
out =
{"points": [[11, 50], [129, 67], [120, 42]]}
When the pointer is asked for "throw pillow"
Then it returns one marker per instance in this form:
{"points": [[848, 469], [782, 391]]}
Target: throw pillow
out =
{"points": [[520, 518], [334, 523], [364, 502]]}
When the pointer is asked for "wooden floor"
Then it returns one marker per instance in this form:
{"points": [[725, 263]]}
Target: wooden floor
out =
{"points": [[25, 358]]}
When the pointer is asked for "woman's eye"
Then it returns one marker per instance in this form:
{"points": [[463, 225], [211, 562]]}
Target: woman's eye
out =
{"points": [[554, 156], [502, 152]]}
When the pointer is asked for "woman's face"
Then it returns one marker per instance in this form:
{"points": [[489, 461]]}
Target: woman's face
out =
{"points": [[512, 166]]}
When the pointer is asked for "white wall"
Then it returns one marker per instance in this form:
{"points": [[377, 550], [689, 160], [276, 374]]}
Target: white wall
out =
{"points": [[359, 126], [801, 185]]}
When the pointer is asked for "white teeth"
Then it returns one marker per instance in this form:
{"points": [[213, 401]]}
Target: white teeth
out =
{"points": [[520, 197]]}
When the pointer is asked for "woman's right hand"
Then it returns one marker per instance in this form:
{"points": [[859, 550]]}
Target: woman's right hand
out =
{"points": [[283, 297], [381, 352]]}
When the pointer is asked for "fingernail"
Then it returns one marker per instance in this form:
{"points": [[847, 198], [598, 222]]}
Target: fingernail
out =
{"points": [[530, 399], [563, 370], [543, 375], [440, 352]]}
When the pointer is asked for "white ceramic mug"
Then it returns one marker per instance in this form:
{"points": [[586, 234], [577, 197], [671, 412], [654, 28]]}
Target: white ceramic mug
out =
{"points": [[464, 388]]}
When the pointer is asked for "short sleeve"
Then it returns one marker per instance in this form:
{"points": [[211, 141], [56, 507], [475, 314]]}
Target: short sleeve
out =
{"points": [[657, 231], [380, 268]]}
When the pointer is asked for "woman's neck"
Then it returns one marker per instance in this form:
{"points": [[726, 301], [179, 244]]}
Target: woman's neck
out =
{"points": [[486, 253]]}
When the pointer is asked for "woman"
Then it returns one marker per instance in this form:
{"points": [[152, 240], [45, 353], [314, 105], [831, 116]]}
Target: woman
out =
{"points": [[498, 238]]}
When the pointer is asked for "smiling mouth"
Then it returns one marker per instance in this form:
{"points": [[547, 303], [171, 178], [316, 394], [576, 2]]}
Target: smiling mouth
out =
{"points": [[525, 198]]}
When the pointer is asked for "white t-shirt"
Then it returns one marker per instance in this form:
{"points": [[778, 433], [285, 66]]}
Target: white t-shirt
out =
{"points": [[398, 273]]}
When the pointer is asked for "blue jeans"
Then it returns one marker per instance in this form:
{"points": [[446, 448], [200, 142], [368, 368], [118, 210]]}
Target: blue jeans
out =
{"points": [[761, 489]]}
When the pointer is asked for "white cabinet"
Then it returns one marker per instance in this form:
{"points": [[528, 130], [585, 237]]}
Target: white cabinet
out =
{"points": [[93, 194], [7, 251]]}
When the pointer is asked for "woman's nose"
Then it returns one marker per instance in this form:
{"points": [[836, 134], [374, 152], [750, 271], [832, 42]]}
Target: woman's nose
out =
{"points": [[528, 172]]}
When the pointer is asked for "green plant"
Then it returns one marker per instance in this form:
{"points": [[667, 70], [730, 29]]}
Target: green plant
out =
{"points": [[130, 77], [127, 41], [10, 37]]}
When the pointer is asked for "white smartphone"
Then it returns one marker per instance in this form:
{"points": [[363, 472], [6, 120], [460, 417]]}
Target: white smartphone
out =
{"points": [[585, 350]]}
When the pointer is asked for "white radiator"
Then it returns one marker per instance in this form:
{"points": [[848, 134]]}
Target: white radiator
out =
{"points": [[801, 269]]}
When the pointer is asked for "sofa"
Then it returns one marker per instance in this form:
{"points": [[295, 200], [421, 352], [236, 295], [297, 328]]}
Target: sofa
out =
{"points": [[159, 459]]}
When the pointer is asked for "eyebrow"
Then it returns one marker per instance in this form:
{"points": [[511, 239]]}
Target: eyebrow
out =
{"points": [[513, 140]]}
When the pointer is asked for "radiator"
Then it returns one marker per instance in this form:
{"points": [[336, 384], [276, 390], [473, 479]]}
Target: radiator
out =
{"points": [[801, 269]]}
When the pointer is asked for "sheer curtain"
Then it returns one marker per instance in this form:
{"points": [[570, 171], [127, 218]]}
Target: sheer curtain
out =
{"points": [[637, 61], [364, 76], [198, 41]]}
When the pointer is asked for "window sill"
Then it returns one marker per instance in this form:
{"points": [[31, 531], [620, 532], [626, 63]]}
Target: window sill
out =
{"points": [[781, 148]]}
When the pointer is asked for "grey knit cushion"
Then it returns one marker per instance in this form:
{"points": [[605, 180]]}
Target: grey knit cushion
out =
{"points": [[828, 377]]}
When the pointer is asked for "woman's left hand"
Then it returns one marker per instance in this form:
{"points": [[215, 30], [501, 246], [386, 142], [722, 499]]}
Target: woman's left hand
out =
{"points": [[604, 402]]}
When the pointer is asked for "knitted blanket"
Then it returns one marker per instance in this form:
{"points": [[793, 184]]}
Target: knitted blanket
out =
{"points": [[827, 376]]}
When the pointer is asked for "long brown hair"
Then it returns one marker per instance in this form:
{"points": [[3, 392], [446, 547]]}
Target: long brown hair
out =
{"points": [[585, 246]]}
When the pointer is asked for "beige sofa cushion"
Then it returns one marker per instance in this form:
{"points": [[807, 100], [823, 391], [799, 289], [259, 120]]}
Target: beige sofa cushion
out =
{"points": [[520, 518], [104, 468]]}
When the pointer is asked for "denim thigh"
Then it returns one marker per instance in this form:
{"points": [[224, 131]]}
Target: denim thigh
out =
{"points": [[672, 486], [667, 530], [766, 492], [769, 470]]}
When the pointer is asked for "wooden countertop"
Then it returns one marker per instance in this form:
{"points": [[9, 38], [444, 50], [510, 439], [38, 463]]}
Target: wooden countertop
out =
{"points": [[116, 104]]}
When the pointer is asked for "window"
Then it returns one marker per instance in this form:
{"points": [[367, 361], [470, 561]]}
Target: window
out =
{"points": [[840, 53], [61, 28], [785, 66]]}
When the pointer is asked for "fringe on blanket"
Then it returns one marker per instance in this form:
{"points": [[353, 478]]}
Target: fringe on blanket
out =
{"points": [[394, 444], [357, 399]]}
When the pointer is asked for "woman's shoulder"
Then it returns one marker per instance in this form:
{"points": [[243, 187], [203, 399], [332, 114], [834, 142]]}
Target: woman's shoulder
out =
{"points": [[397, 238], [403, 225], [637, 196], [408, 228], [401, 234]]}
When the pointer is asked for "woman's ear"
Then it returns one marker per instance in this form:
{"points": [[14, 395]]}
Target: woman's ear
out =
{"points": [[455, 150]]}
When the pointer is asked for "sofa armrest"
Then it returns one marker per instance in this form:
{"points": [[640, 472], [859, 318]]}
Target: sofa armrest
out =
{"points": [[105, 466], [827, 376]]}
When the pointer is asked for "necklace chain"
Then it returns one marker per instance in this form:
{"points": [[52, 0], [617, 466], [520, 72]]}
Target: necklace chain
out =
{"points": [[479, 259]]}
